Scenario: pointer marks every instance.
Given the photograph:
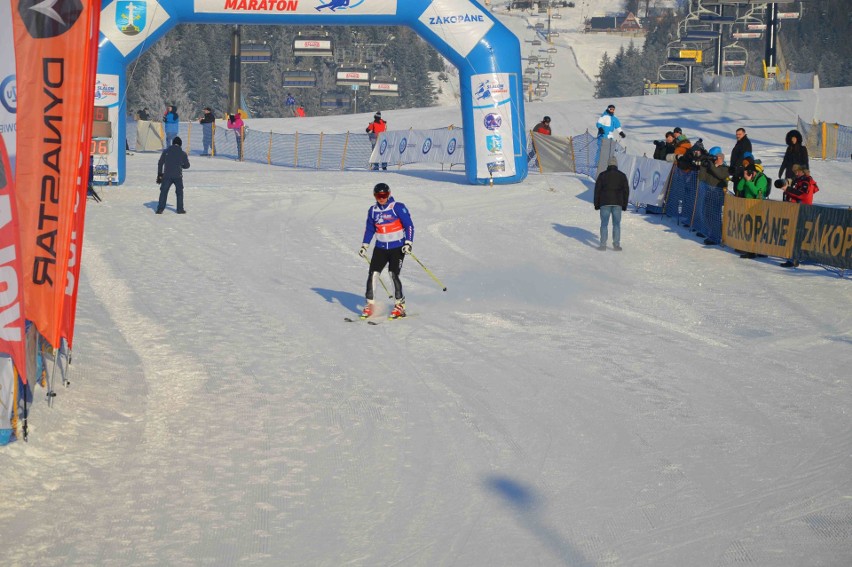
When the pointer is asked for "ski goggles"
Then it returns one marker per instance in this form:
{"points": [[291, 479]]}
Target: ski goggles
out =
{"points": [[382, 194]]}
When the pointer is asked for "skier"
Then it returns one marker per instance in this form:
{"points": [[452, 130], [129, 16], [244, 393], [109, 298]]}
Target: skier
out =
{"points": [[390, 222]]}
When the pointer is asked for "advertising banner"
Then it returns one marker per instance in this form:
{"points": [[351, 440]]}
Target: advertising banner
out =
{"points": [[824, 236], [493, 123], [419, 146], [760, 226], [311, 7], [12, 320], [647, 178], [459, 23], [106, 151], [8, 87], [52, 56]]}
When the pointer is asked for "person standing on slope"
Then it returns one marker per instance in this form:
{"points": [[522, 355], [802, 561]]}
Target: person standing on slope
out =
{"points": [[171, 124], [390, 222], [612, 191], [170, 168], [374, 128], [609, 125]]}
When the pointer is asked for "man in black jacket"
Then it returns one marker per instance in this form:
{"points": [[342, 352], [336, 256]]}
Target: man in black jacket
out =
{"points": [[611, 193], [170, 168], [741, 148], [206, 121]]}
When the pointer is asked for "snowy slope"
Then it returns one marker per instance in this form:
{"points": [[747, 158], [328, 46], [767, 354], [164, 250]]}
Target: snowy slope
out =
{"points": [[670, 405]]}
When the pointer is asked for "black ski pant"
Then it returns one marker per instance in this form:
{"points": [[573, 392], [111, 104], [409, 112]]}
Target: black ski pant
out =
{"points": [[164, 192], [392, 258]]}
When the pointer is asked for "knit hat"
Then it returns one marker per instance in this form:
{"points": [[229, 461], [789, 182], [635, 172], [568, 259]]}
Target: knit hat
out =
{"points": [[714, 151], [177, 141], [612, 161], [378, 114]]}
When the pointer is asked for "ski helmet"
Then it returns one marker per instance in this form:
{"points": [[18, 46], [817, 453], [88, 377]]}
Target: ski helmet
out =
{"points": [[381, 188], [714, 151]]}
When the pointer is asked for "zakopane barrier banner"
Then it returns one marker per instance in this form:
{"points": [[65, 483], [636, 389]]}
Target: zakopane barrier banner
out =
{"points": [[824, 236], [419, 146], [51, 41], [69, 306], [647, 178], [12, 318], [760, 226]]}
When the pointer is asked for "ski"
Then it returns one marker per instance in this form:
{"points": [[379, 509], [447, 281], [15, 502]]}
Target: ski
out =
{"points": [[358, 320]]}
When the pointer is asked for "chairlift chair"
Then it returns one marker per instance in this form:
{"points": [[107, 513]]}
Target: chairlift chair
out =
{"points": [[673, 73], [299, 79], [352, 76], [384, 86], [551, 50], [734, 55], [549, 64], [255, 52], [331, 101], [547, 75], [313, 45], [536, 42]]}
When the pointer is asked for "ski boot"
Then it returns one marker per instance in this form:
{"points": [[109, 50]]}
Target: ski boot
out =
{"points": [[369, 310], [398, 311]]}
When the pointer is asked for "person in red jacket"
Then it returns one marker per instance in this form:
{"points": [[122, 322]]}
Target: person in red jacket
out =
{"points": [[374, 128], [801, 190], [543, 127]]}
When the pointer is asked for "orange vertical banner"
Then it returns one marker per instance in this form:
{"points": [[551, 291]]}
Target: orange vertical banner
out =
{"points": [[12, 321], [69, 307], [51, 59]]}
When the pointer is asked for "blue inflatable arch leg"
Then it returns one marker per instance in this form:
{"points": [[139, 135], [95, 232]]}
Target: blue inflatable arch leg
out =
{"points": [[486, 53]]}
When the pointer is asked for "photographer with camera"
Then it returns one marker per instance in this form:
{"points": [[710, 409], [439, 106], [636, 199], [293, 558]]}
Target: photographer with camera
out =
{"points": [[800, 189], [714, 174], [693, 157], [664, 147]]}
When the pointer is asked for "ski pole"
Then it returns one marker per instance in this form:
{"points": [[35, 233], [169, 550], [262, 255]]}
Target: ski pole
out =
{"points": [[381, 281], [428, 271]]}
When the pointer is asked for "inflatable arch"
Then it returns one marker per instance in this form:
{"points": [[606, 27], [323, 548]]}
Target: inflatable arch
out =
{"points": [[486, 54]]}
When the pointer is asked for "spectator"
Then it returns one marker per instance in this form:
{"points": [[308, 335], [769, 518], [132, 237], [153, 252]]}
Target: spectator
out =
{"points": [[543, 127], [374, 128], [796, 154], [143, 114], [714, 173], [170, 168], [235, 123], [611, 194], [290, 103], [664, 147], [741, 148], [170, 118], [207, 119], [800, 190], [390, 222], [300, 111], [681, 146], [608, 124], [753, 185]]}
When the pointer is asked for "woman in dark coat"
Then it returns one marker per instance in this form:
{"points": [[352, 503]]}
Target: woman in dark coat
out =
{"points": [[796, 154]]}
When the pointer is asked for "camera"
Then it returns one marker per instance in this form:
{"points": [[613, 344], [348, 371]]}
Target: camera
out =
{"points": [[781, 183], [659, 143]]}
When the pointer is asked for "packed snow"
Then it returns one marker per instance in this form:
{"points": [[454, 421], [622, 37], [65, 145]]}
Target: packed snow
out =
{"points": [[668, 405]]}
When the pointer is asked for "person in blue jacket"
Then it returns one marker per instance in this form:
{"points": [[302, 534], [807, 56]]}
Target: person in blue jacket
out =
{"points": [[608, 124], [390, 222], [170, 119]]}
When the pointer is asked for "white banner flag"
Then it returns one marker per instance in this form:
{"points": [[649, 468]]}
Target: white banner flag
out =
{"points": [[647, 178], [419, 146]]}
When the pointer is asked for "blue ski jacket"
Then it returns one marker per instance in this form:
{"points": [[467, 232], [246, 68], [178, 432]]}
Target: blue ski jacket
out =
{"points": [[610, 125], [390, 224]]}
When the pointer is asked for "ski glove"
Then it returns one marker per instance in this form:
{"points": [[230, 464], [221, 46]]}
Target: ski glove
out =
{"points": [[363, 251], [600, 132], [406, 248], [622, 134], [159, 178]]}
